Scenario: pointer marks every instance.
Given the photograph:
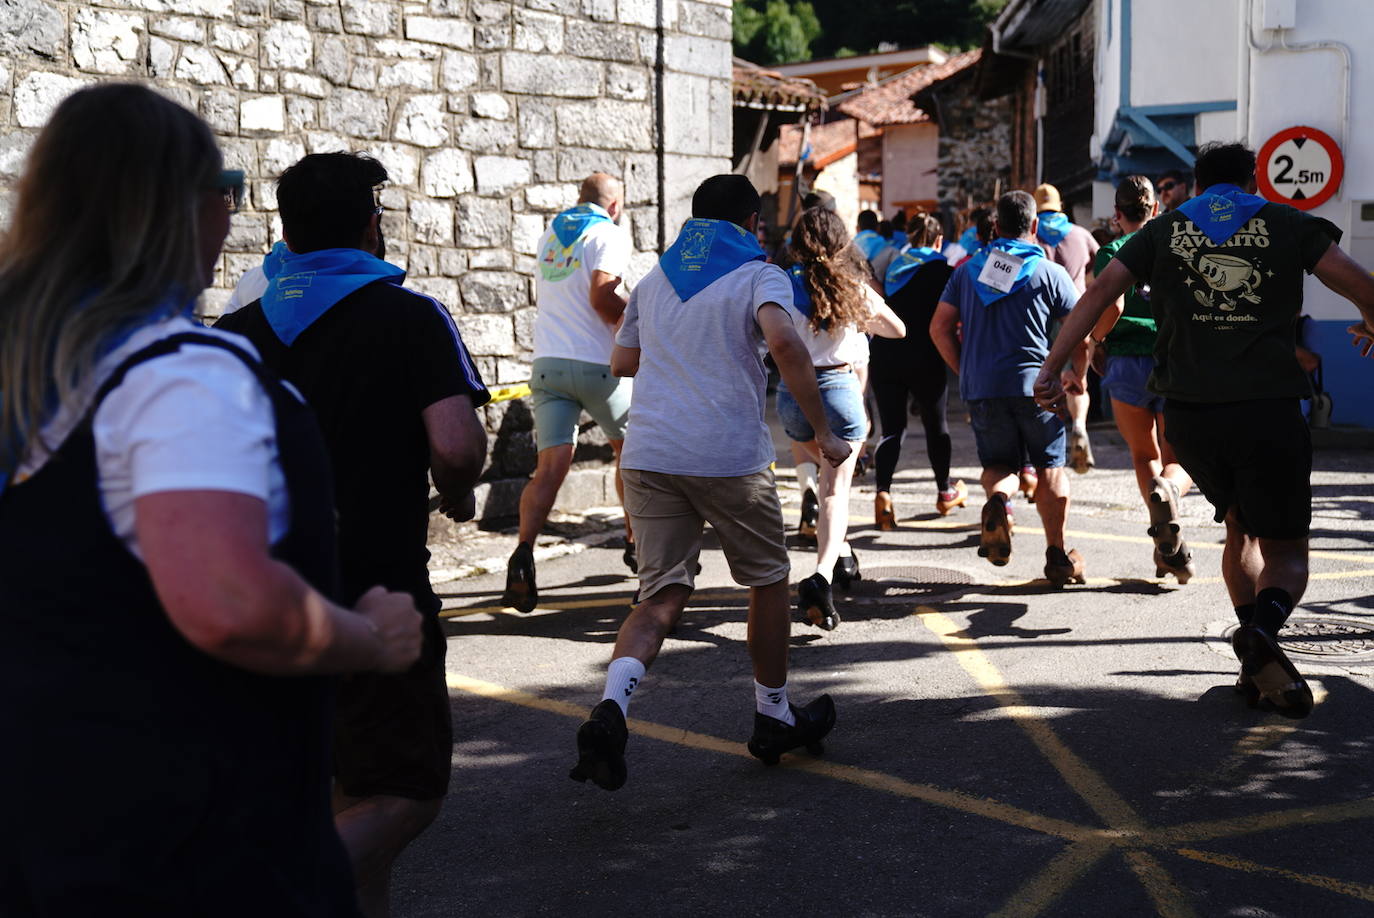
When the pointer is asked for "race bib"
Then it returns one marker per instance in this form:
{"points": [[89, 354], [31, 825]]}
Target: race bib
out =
{"points": [[1000, 271]]}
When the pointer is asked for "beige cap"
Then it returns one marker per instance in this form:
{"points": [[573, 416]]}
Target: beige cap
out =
{"points": [[1047, 198]]}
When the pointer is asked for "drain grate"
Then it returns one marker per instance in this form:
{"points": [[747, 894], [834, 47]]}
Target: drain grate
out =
{"points": [[904, 583], [1327, 638]]}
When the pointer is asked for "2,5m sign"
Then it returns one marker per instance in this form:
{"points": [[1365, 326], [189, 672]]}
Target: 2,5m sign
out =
{"points": [[1301, 166]]}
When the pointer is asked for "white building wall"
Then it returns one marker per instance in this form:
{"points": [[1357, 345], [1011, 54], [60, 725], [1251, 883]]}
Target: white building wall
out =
{"points": [[910, 165]]}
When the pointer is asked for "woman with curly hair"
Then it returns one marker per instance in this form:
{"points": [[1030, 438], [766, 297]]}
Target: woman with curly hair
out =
{"points": [[836, 309]]}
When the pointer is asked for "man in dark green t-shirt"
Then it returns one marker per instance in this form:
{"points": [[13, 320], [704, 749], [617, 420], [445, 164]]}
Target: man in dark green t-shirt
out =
{"points": [[1225, 271]]}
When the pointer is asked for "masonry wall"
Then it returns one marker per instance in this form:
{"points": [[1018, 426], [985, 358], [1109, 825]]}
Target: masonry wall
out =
{"points": [[487, 114]]}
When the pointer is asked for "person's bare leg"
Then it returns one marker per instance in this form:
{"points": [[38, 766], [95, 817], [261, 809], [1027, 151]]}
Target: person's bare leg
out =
{"points": [[619, 446], [834, 513], [998, 480], [648, 624], [770, 623], [537, 499], [1052, 503], [1137, 426], [1172, 470], [1284, 566], [375, 830], [1241, 563]]}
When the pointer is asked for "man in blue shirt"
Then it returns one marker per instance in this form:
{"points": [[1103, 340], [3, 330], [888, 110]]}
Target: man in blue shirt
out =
{"points": [[1006, 298]]}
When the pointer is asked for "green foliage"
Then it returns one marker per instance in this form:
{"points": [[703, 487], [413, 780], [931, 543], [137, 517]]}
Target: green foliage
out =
{"points": [[775, 31]]}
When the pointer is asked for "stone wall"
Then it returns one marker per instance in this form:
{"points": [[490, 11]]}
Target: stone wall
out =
{"points": [[975, 144], [486, 113]]}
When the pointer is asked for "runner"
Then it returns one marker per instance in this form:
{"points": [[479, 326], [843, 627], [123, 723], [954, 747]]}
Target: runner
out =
{"points": [[1174, 188], [868, 240], [889, 252], [1125, 335], [1072, 246], [835, 307], [1006, 299], [582, 257], [698, 451], [395, 391], [912, 369], [1226, 274]]}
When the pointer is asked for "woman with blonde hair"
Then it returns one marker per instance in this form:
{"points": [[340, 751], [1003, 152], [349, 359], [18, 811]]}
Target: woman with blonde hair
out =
{"points": [[166, 551], [836, 308]]}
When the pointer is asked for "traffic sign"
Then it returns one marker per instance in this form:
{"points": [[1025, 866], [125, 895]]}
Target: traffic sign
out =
{"points": [[1301, 166]]}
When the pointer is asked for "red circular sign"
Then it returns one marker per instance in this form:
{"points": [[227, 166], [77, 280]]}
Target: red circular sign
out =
{"points": [[1301, 166]]}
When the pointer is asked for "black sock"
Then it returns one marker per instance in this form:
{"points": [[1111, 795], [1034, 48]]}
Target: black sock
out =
{"points": [[1246, 613], [1272, 608]]}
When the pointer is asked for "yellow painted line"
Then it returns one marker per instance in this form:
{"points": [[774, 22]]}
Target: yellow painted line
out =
{"points": [[1211, 829], [1169, 899], [861, 777], [1049, 885], [1330, 884]]}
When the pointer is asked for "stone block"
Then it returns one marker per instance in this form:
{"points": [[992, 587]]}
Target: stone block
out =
{"points": [[721, 118], [356, 114], [551, 198], [454, 33], [458, 8], [106, 42], [287, 45], [703, 19], [524, 328], [536, 123], [241, 73], [500, 175], [490, 105], [538, 32], [406, 74], [264, 195], [639, 13], [234, 40], [332, 61], [304, 84], [493, 25], [526, 233], [250, 13], [574, 164], [708, 57], [482, 222], [423, 121], [493, 291], [14, 149], [487, 335], [513, 453], [325, 142], [39, 93], [211, 9], [641, 263], [408, 50], [545, 165], [280, 153], [177, 28], [431, 221], [400, 161], [602, 42], [266, 113], [240, 154], [606, 123], [490, 260], [443, 289], [200, 65], [369, 17], [510, 371], [30, 27], [452, 262], [446, 174], [424, 260], [220, 109], [687, 111], [550, 75], [627, 82], [685, 173], [288, 9], [325, 19], [483, 136], [599, 10], [640, 178], [458, 71], [644, 228], [393, 199], [247, 233], [364, 75]]}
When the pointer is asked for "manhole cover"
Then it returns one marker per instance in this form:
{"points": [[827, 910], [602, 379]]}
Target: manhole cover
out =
{"points": [[1329, 638], [905, 583]]}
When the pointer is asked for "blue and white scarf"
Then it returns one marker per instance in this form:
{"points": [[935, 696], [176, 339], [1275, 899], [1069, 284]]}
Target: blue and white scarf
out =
{"points": [[1221, 211], [302, 288], [1030, 253], [903, 267], [869, 243], [704, 252], [801, 297], [571, 224], [1053, 228]]}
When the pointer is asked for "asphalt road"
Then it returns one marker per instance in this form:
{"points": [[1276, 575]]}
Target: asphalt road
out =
{"points": [[1001, 747]]}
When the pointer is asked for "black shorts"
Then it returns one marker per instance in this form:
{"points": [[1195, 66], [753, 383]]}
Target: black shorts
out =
{"points": [[393, 734], [1253, 456]]}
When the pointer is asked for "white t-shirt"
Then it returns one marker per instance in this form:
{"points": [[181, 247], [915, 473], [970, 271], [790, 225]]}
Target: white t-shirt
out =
{"points": [[196, 419], [701, 388], [250, 287], [846, 345], [566, 325]]}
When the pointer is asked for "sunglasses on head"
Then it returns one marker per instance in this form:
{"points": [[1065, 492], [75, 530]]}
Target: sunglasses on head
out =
{"points": [[230, 185]]}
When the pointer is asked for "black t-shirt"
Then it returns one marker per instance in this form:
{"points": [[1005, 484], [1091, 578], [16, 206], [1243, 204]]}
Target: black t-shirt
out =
{"points": [[1227, 315], [914, 304], [369, 367]]}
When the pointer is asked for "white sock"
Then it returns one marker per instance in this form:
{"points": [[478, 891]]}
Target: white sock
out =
{"points": [[772, 702], [846, 550], [622, 676], [806, 476]]}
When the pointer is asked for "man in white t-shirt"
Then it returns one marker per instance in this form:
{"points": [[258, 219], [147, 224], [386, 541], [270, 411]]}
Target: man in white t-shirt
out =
{"points": [[582, 257], [694, 335]]}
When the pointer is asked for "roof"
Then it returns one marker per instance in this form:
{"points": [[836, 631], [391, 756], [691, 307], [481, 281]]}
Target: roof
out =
{"points": [[829, 142], [893, 102], [1027, 24], [927, 54], [755, 87]]}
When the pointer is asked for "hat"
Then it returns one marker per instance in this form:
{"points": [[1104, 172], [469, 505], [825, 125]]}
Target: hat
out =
{"points": [[1047, 198]]}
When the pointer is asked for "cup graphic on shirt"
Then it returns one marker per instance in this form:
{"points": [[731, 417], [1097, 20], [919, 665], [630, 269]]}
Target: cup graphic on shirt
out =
{"points": [[1228, 273]]}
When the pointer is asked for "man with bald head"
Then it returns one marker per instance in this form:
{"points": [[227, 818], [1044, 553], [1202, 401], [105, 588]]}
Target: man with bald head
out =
{"points": [[582, 257]]}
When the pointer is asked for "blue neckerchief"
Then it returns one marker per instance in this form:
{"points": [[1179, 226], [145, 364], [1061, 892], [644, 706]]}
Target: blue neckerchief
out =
{"points": [[1054, 227], [1029, 251], [271, 262], [572, 223], [1221, 211], [898, 240], [968, 240], [869, 243], [301, 288], [704, 252], [800, 298], [903, 267]]}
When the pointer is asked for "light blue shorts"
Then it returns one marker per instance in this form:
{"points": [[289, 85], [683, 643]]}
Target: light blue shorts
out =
{"points": [[1126, 378], [561, 389], [844, 408]]}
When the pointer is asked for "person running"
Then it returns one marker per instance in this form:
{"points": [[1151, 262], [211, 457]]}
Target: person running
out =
{"points": [[1072, 246], [868, 240], [1006, 299], [168, 576], [1174, 188], [698, 451], [1226, 281], [1125, 335], [835, 310], [911, 369], [885, 256], [583, 256], [386, 371]]}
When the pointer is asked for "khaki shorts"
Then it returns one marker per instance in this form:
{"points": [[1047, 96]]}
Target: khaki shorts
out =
{"points": [[668, 513]]}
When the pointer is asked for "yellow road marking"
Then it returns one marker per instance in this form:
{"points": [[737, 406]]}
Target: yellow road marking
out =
{"points": [[1211, 829], [1330, 884], [1049, 885]]}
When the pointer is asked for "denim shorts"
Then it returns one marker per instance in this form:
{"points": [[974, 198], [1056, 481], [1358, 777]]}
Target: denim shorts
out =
{"points": [[1126, 378], [844, 408], [1004, 427], [561, 389]]}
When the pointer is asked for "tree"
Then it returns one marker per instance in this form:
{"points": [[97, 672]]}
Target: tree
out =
{"points": [[780, 32]]}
